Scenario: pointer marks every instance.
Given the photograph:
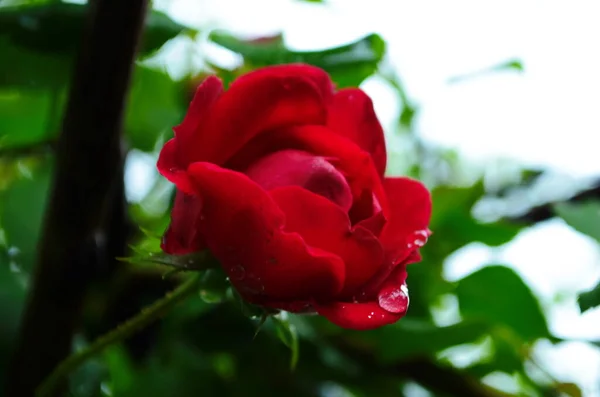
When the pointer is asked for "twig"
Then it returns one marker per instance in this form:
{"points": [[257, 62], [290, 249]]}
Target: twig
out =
{"points": [[124, 331]]}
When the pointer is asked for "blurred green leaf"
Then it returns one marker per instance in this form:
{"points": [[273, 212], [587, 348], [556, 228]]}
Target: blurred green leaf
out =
{"points": [[86, 380], [38, 43], [287, 333], [156, 104], [498, 295], [120, 370], [589, 299], [29, 117], [583, 217], [57, 27], [25, 68], [348, 65], [509, 65], [12, 302], [409, 338], [22, 207], [452, 220], [570, 389]]}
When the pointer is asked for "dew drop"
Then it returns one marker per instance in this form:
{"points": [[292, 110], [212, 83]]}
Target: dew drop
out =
{"points": [[237, 273], [418, 238], [394, 299], [211, 296]]}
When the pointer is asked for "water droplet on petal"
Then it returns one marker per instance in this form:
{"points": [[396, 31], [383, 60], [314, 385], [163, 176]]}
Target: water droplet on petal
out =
{"points": [[237, 273], [394, 299], [418, 238]]}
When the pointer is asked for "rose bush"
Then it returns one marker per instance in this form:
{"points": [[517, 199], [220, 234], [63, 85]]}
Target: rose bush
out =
{"points": [[282, 179]]}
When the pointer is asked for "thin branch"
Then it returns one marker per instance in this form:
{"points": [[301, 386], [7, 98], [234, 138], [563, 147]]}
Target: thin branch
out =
{"points": [[544, 212], [423, 370], [88, 165], [146, 317]]}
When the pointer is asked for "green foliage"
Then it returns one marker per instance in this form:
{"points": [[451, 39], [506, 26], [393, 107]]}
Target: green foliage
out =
{"points": [[39, 42], [590, 299], [583, 217], [56, 28], [452, 220], [22, 211], [156, 104], [423, 338], [287, 333], [497, 294], [348, 65]]}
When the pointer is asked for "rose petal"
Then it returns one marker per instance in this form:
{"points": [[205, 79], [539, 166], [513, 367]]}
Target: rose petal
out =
{"points": [[353, 162], [351, 114], [199, 110], [406, 228], [260, 101], [298, 168], [408, 216], [325, 225], [357, 316], [169, 166], [390, 305], [243, 228], [182, 236]]}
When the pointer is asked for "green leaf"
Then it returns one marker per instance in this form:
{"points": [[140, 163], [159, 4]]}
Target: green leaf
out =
{"points": [[452, 219], [12, 302], [156, 104], [287, 333], [589, 299], [348, 65], [409, 337], [21, 213], [583, 217], [509, 65], [120, 368], [498, 295], [57, 27], [29, 117], [40, 42]]}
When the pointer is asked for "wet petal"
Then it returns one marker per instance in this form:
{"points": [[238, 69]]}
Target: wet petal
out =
{"points": [[243, 228], [357, 316], [170, 167], [393, 295], [182, 236], [206, 95], [326, 226], [408, 216], [260, 101], [351, 114]]}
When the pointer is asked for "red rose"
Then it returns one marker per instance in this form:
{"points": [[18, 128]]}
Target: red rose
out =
{"points": [[281, 178]]}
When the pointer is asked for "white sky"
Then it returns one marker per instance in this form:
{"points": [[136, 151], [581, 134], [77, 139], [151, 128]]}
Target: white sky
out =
{"points": [[549, 115]]}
